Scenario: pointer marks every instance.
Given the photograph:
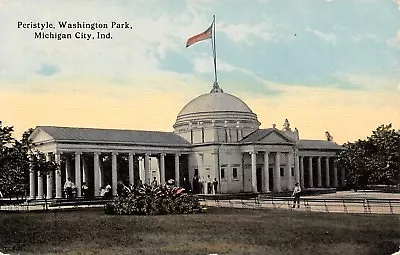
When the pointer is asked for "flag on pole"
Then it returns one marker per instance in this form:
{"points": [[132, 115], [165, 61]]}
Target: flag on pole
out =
{"points": [[200, 37]]}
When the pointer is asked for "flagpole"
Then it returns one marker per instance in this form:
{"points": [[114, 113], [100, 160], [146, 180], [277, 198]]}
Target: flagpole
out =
{"points": [[215, 54]]}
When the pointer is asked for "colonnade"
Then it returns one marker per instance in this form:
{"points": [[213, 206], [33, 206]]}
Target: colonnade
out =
{"points": [[318, 176], [81, 173], [329, 171]]}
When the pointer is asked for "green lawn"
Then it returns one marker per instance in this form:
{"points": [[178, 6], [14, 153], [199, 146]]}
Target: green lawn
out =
{"points": [[220, 231]]}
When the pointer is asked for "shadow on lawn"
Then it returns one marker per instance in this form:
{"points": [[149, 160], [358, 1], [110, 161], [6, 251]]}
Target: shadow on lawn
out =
{"points": [[220, 230]]}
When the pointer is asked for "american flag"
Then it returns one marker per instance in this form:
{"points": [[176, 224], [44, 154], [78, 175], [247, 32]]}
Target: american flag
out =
{"points": [[200, 37]]}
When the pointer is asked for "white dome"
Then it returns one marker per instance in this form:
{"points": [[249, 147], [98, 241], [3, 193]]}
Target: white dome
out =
{"points": [[215, 102], [216, 107]]}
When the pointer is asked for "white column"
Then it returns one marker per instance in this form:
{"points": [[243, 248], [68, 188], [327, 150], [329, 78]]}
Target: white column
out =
{"points": [[288, 172], [310, 173], [85, 169], [147, 169], [114, 173], [49, 193], [240, 132], [57, 158], [32, 181], [162, 168], [131, 175], [266, 172], [40, 186], [96, 174], [335, 179], [78, 183], [101, 181], [177, 170], [254, 170], [277, 172], [67, 168], [327, 177], [319, 176], [141, 167], [301, 172], [296, 167]]}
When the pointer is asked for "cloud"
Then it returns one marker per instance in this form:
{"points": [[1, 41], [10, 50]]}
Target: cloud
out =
{"points": [[246, 33], [366, 36], [373, 82], [240, 78], [328, 37], [140, 50], [395, 42], [398, 2]]}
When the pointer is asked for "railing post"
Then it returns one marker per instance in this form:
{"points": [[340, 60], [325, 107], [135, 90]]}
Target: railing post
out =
{"points": [[391, 208], [344, 207]]}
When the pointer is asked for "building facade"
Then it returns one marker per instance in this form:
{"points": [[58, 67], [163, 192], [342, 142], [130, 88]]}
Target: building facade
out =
{"points": [[216, 137]]}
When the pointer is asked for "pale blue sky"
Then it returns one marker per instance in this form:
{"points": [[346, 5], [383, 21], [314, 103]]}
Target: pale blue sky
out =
{"points": [[264, 47]]}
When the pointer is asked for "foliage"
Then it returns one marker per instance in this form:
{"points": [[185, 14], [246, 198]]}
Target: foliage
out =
{"points": [[375, 160], [158, 200], [17, 158]]}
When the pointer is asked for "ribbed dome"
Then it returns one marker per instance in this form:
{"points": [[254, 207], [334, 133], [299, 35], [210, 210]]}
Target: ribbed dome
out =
{"points": [[216, 107], [215, 102]]}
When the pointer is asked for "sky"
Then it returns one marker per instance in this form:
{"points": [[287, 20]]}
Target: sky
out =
{"points": [[325, 65]]}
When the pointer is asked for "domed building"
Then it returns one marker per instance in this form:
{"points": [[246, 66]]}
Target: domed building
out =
{"points": [[217, 146]]}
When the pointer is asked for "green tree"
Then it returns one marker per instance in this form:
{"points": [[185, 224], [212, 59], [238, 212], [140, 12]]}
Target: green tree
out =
{"points": [[375, 160], [17, 158]]}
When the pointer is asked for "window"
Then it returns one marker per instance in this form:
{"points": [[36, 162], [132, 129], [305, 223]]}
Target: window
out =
{"points": [[282, 171], [292, 171], [235, 173], [202, 135], [191, 135], [222, 172]]}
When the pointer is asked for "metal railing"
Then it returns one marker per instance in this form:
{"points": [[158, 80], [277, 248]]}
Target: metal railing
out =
{"points": [[338, 205]]}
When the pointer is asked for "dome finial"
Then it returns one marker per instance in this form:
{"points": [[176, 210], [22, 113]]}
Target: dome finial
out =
{"points": [[216, 88]]}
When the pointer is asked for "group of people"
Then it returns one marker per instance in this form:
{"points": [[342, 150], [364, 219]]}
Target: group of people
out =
{"points": [[199, 187], [122, 190]]}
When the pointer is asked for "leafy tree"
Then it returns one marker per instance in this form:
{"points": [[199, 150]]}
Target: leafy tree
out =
{"points": [[17, 158], [375, 160]]}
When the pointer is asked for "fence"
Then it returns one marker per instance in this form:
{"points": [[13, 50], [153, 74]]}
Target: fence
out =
{"points": [[252, 201], [348, 205], [49, 204]]}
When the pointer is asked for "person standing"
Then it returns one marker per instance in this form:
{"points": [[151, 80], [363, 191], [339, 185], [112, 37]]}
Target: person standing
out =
{"points": [[196, 184], [154, 183], [296, 195], [68, 186], [215, 185], [85, 191], [187, 185]]}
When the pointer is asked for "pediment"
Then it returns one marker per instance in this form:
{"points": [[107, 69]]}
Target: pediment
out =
{"points": [[275, 137], [39, 136]]}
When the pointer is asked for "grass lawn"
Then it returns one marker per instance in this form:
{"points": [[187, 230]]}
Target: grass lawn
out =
{"points": [[220, 231]]}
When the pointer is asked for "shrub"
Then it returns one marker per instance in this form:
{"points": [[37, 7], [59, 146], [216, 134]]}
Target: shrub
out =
{"points": [[155, 201]]}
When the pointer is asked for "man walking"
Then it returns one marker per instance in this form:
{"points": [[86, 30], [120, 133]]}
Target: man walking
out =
{"points": [[296, 195]]}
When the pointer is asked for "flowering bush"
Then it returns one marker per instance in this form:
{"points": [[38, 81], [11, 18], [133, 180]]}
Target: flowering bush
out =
{"points": [[155, 201]]}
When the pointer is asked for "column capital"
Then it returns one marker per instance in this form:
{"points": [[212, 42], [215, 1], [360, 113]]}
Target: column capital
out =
{"points": [[131, 153], [177, 154], [163, 154], [114, 153], [252, 152], [96, 153]]}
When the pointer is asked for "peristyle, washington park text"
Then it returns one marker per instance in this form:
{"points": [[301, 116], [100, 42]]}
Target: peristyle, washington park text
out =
{"points": [[42, 29]]}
